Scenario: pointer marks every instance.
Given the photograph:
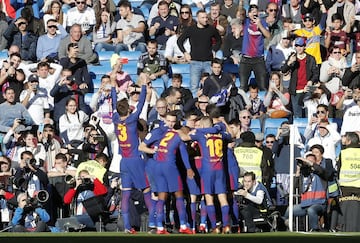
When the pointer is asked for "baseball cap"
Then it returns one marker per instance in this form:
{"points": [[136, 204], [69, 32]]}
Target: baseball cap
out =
{"points": [[33, 78], [259, 136], [285, 34], [299, 41], [308, 16]]}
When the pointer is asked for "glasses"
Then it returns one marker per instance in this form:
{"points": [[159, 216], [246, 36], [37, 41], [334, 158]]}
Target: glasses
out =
{"points": [[246, 117], [52, 26], [320, 112], [185, 12], [48, 130], [21, 23], [272, 141], [272, 10], [336, 52], [134, 93], [308, 20], [80, 2], [203, 102]]}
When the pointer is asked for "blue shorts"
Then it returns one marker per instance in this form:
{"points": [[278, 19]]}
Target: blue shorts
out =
{"points": [[132, 173], [167, 177], [150, 165], [213, 182]]}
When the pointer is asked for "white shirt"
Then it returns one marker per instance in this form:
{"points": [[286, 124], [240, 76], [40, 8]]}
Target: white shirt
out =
{"points": [[85, 19], [72, 125], [351, 120], [36, 105], [172, 49]]}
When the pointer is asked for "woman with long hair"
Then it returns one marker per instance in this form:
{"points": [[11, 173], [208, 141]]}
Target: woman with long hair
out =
{"points": [[55, 12], [103, 31], [71, 123], [185, 17]]}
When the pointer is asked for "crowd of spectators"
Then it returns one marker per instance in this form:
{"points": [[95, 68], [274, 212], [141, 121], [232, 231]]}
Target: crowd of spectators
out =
{"points": [[249, 61]]}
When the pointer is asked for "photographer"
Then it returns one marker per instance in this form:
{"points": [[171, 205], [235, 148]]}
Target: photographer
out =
{"points": [[315, 171], [32, 177], [51, 144], [86, 187], [29, 216], [253, 198], [96, 142]]}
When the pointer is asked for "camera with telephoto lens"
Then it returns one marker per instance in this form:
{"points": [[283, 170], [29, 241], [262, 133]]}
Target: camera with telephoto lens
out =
{"points": [[36, 202], [305, 169], [31, 162]]}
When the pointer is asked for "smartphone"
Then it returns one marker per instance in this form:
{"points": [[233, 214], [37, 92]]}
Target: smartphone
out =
{"points": [[41, 127], [314, 114]]}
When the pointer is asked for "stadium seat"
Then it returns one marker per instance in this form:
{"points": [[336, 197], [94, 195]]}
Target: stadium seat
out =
{"points": [[180, 68], [255, 125], [3, 54], [145, 11], [97, 82], [105, 55], [272, 124], [98, 69], [301, 124], [130, 55], [130, 68]]}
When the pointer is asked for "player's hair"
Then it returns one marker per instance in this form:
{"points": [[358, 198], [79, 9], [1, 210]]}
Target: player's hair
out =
{"points": [[122, 107]]}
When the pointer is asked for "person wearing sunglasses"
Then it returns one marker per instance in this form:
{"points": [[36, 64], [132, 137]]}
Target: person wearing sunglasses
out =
{"points": [[273, 21], [83, 15]]}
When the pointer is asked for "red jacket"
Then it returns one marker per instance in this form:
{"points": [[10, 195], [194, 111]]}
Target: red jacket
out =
{"points": [[99, 189]]}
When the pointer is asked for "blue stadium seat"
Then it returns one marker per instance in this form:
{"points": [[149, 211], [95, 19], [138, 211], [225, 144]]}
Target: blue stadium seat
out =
{"points": [[100, 69], [131, 67], [130, 55], [159, 90], [158, 83], [4, 54], [97, 82], [88, 97], [301, 124], [145, 11], [255, 125], [272, 124], [180, 68], [106, 64], [105, 55]]}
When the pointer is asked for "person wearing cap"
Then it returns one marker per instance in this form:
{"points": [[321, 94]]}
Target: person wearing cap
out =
{"points": [[278, 53], [35, 100], [312, 33], [303, 72], [123, 79], [48, 44], [315, 172], [255, 32]]}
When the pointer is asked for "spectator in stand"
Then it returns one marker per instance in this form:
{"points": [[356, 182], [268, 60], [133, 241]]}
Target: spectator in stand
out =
{"points": [[345, 9], [233, 46], [292, 10], [37, 149], [185, 18], [11, 111], [245, 120], [351, 117], [157, 114], [3, 27], [279, 53], [12, 76], [35, 25], [176, 82], [82, 15], [172, 51], [228, 9], [130, 30], [174, 10], [48, 74], [335, 36], [55, 12], [123, 79], [328, 137], [269, 141], [257, 109], [51, 144], [312, 33], [103, 32], [217, 20], [84, 45], [17, 34], [312, 98], [201, 38], [107, 5], [322, 113], [274, 24], [255, 31], [81, 81], [164, 25], [35, 100], [48, 44], [303, 72], [277, 98], [71, 123], [351, 77], [153, 63]]}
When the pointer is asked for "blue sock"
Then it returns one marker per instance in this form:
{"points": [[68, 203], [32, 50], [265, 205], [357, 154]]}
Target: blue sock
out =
{"points": [[152, 213], [225, 215], [203, 212], [212, 215], [180, 206], [125, 200], [160, 213], [235, 211], [193, 213]]}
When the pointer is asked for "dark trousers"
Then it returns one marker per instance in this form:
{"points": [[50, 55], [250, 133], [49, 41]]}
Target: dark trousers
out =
{"points": [[248, 213], [257, 65]]}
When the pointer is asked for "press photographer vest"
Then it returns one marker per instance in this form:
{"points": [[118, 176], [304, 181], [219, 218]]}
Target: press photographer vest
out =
{"points": [[249, 158], [349, 175]]}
